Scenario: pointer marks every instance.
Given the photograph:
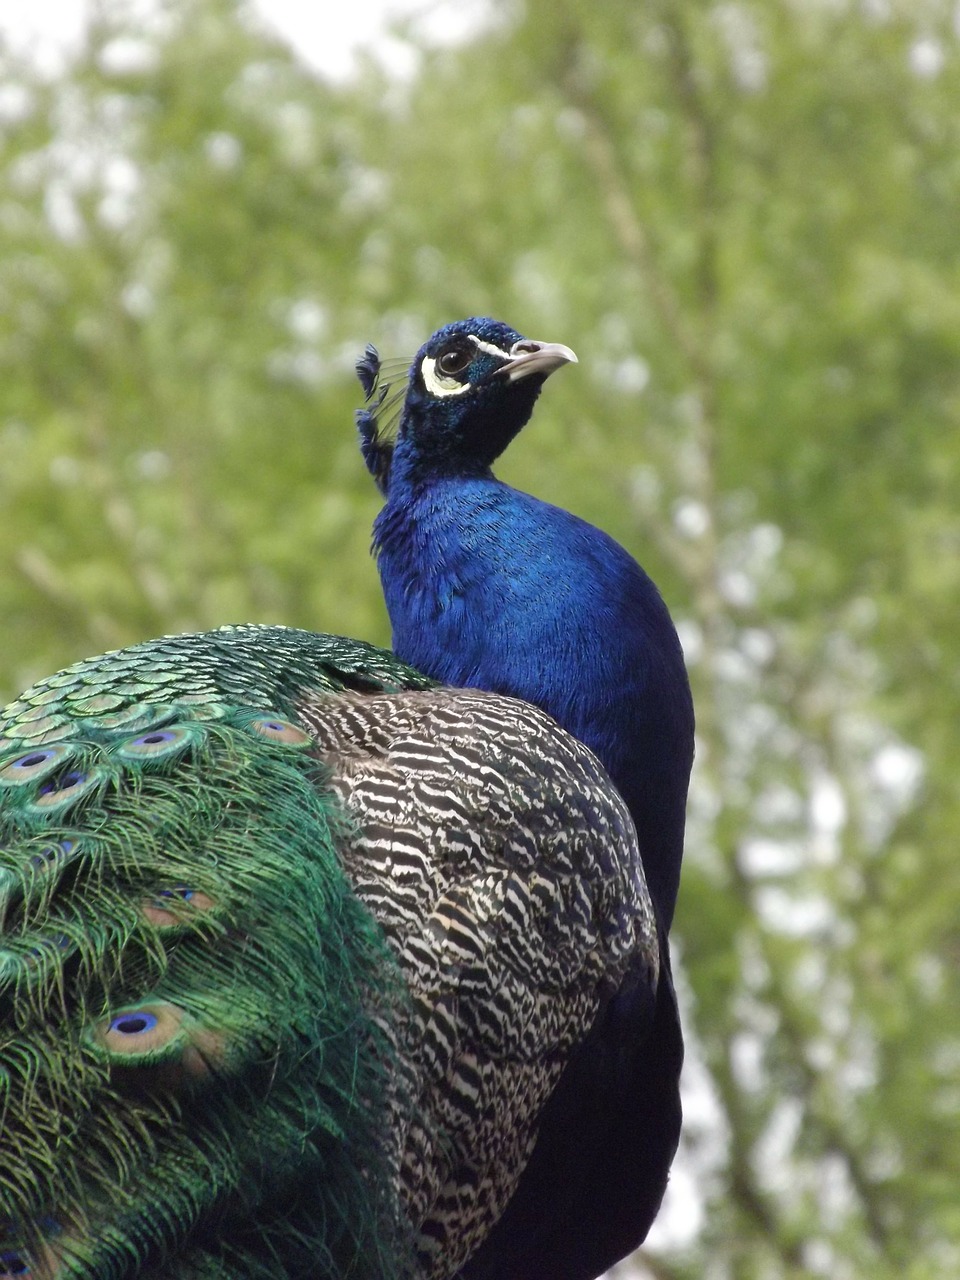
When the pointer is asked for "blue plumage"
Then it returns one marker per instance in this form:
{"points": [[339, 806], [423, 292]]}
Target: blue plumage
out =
{"points": [[491, 588]]}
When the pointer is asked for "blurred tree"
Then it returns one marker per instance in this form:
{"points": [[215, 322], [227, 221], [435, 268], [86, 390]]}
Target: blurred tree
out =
{"points": [[182, 214], [741, 214]]}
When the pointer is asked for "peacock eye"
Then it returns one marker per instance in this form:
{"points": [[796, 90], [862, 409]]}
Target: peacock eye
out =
{"points": [[455, 360]]}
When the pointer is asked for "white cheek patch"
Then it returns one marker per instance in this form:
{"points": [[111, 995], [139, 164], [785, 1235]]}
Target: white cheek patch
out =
{"points": [[439, 384]]}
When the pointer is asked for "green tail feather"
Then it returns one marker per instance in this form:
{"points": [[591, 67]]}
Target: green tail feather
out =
{"points": [[189, 1052]]}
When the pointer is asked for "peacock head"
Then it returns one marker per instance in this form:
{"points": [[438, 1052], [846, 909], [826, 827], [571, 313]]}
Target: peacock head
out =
{"points": [[469, 390]]}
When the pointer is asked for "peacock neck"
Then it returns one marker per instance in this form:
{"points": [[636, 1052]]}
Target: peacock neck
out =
{"points": [[490, 588], [412, 474]]}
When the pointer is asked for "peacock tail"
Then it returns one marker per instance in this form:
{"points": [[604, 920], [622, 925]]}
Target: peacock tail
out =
{"points": [[295, 947]]}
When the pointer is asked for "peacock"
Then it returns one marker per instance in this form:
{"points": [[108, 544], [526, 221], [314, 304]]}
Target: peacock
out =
{"points": [[317, 962], [488, 587]]}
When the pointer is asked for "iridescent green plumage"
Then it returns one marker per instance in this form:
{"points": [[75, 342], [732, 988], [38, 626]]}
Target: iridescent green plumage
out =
{"points": [[236, 666], [179, 942]]}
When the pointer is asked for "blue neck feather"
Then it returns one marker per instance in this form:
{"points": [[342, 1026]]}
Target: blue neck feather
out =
{"points": [[491, 588]]}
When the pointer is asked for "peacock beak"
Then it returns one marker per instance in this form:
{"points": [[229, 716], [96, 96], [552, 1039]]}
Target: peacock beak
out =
{"points": [[527, 357]]}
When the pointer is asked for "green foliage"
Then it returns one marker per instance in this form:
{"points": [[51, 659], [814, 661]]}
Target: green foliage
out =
{"points": [[741, 215]]}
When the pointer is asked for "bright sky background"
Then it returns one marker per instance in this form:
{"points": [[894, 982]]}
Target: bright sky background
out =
{"points": [[325, 34]]}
